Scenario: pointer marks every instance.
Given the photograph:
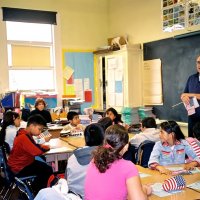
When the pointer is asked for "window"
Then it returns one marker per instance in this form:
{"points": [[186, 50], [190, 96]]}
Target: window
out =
{"points": [[31, 57]]}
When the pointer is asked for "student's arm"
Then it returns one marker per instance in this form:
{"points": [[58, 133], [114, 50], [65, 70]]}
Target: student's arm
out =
{"points": [[137, 139], [154, 162], [190, 152], [136, 190], [32, 148]]}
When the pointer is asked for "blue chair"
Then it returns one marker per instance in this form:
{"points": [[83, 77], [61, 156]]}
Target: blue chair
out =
{"points": [[23, 188], [144, 152], [9, 179]]}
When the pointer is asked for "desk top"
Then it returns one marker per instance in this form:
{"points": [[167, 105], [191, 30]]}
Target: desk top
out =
{"points": [[80, 141], [58, 146], [186, 194]]}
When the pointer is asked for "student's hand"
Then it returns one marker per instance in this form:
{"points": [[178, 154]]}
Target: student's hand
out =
{"points": [[190, 166], [126, 126], [147, 189], [47, 138], [163, 170]]}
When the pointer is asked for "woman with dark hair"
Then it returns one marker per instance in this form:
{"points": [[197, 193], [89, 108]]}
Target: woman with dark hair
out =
{"points": [[171, 149], [40, 108], [114, 116], [119, 177], [10, 125]]}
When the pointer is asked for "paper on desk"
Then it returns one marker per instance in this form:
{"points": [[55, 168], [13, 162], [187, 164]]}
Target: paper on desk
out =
{"points": [[157, 190], [143, 175], [195, 185], [59, 150], [194, 171]]}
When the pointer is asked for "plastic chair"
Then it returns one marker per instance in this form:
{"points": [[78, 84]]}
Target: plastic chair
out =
{"points": [[23, 188], [9, 177], [144, 152]]}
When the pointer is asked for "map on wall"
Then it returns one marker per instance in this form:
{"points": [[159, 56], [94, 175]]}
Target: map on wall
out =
{"points": [[180, 14]]}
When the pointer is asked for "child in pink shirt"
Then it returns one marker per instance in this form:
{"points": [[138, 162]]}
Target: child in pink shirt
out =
{"points": [[111, 177]]}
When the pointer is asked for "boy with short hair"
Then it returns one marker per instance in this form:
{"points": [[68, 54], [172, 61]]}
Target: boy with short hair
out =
{"points": [[149, 132], [22, 156], [74, 122]]}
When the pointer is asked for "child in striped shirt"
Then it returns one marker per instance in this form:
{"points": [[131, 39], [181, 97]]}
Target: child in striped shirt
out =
{"points": [[195, 141]]}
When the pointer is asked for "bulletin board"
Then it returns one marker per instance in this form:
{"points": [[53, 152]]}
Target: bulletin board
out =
{"points": [[78, 76]]}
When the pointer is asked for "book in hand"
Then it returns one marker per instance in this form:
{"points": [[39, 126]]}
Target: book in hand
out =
{"points": [[45, 134]]}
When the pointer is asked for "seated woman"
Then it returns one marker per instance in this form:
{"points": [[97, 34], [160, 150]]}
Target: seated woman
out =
{"points": [[114, 116], [10, 126], [171, 149], [111, 177], [40, 106]]}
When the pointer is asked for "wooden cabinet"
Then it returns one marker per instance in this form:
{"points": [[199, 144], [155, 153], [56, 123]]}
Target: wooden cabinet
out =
{"points": [[120, 78]]}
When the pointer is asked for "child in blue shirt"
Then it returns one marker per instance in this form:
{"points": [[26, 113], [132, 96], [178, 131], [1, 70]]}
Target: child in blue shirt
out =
{"points": [[171, 149]]}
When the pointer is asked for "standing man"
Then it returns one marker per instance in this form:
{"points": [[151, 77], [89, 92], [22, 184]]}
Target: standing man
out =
{"points": [[192, 89]]}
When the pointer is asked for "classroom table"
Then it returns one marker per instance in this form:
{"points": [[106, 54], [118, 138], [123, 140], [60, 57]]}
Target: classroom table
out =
{"points": [[78, 142], [60, 150], [186, 194], [55, 130], [63, 147]]}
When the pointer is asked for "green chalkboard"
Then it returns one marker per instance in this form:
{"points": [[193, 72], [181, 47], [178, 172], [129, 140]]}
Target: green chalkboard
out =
{"points": [[178, 57]]}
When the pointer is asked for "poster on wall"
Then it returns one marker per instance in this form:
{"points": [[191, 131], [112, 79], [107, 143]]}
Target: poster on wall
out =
{"points": [[78, 74], [173, 15], [193, 14]]}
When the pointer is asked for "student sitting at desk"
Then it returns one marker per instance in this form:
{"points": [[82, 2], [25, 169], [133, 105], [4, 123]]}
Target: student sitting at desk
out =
{"points": [[149, 132], [195, 142], [171, 149], [74, 122], [78, 162], [22, 156], [114, 116], [111, 177], [40, 106], [10, 126]]}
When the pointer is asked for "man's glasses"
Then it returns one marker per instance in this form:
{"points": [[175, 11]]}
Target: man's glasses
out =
{"points": [[198, 62]]}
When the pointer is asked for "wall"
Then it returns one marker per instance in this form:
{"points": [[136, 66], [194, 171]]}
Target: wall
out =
{"points": [[140, 20], [82, 24]]}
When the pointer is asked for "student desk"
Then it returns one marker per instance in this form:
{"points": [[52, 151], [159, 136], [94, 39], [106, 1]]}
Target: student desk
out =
{"points": [[60, 150], [55, 130], [78, 142], [63, 147], [186, 194]]}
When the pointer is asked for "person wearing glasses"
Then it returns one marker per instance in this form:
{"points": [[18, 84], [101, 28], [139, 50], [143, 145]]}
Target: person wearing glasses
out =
{"points": [[192, 89], [172, 149]]}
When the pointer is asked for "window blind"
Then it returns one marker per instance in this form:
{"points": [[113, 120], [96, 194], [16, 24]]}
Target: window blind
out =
{"points": [[30, 16]]}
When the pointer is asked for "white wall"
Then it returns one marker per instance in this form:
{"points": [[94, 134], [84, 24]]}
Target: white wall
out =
{"points": [[82, 24], [140, 20]]}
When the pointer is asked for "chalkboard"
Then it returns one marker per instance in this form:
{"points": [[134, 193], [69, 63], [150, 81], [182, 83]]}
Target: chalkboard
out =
{"points": [[178, 57]]}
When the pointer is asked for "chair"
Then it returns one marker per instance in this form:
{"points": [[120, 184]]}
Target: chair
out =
{"points": [[6, 174], [9, 177], [144, 152], [23, 188]]}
